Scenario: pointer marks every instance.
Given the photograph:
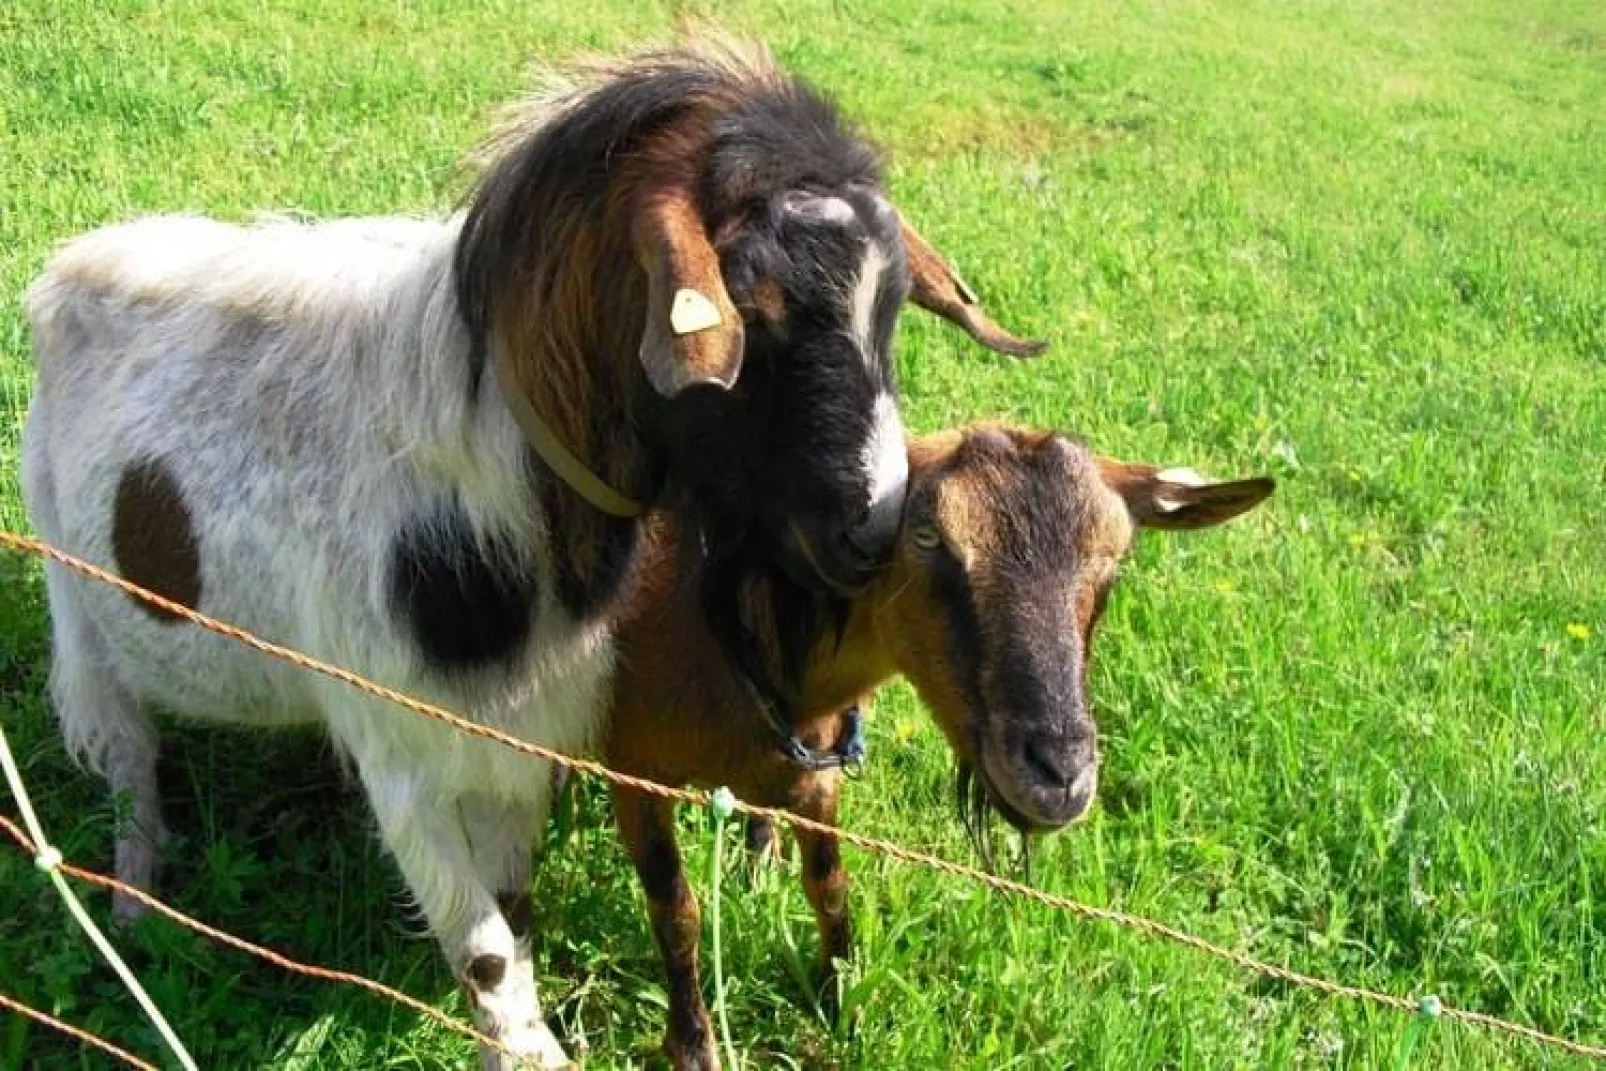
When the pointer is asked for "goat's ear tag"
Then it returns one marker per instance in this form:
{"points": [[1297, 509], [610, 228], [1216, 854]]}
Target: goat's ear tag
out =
{"points": [[692, 311]]}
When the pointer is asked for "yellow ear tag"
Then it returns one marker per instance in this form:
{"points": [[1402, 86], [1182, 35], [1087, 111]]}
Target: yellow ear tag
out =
{"points": [[691, 312]]}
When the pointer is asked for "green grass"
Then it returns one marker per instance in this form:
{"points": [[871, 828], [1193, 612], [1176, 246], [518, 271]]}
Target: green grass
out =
{"points": [[1359, 246]]}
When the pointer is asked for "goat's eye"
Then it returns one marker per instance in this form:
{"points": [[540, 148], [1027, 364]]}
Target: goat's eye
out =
{"points": [[927, 537]]}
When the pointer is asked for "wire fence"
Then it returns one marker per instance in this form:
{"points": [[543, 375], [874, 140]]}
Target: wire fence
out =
{"points": [[92, 1040], [1425, 1005], [240, 944]]}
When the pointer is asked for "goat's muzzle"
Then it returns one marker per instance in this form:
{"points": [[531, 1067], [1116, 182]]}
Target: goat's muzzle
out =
{"points": [[1046, 777], [838, 560]]}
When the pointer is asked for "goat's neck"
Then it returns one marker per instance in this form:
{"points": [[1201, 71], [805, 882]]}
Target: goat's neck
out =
{"points": [[841, 673]]}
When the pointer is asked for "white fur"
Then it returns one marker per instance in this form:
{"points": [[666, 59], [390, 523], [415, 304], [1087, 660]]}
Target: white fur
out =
{"points": [[1180, 477], [886, 458], [306, 386], [862, 303]]}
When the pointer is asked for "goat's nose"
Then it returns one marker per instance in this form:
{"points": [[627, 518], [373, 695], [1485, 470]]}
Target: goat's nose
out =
{"points": [[1064, 764], [869, 542], [1047, 760]]}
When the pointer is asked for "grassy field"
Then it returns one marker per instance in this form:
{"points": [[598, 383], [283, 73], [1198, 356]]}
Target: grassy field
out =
{"points": [[1359, 246]]}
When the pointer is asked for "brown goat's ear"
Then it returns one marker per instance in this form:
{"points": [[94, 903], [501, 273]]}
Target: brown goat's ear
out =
{"points": [[693, 334], [936, 288], [1176, 499]]}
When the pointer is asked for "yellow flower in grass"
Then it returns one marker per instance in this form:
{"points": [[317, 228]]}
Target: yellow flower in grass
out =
{"points": [[1578, 630]]}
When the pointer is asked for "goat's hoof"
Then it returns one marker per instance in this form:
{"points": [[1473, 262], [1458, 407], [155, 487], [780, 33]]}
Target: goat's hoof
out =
{"points": [[127, 911], [532, 1045], [691, 1057]]}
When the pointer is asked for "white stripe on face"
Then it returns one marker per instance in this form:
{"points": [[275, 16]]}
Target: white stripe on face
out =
{"points": [[886, 460], [862, 307]]}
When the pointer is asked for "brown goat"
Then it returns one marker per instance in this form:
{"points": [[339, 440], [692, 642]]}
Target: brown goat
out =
{"points": [[1008, 550]]}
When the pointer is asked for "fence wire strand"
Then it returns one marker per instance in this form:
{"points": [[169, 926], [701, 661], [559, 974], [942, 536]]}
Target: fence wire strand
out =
{"points": [[75, 1033], [240, 944], [48, 859], [875, 845]]}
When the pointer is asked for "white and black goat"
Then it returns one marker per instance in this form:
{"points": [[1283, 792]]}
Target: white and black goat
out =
{"points": [[420, 449]]}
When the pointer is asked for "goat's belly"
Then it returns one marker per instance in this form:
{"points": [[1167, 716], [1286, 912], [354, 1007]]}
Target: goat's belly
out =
{"points": [[554, 694], [184, 669]]}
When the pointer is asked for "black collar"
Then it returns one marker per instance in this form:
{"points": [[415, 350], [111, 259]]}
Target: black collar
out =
{"points": [[847, 754]]}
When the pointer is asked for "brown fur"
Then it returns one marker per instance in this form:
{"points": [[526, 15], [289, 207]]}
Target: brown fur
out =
{"points": [[679, 717], [666, 174], [153, 538]]}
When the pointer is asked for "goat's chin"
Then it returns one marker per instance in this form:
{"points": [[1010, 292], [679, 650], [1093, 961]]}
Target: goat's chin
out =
{"points": [[805, 566], [1015, 805]]}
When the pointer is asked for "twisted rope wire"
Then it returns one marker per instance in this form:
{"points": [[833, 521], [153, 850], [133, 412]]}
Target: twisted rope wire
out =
{"points": [[74, 1032], [48, 859], [327, 974]]}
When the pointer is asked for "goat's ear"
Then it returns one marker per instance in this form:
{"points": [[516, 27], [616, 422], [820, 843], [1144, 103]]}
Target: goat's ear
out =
{"points": [[1180, 498], [693, 333], [936, 288]]}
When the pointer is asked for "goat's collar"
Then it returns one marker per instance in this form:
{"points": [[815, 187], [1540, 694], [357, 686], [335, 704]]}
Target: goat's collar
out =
{"points": [[847, 754], [550, 449]]}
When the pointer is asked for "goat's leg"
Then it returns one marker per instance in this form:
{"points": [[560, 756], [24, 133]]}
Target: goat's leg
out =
{"points": [[109, 731], [427, 837], [763, 842], [500, 835], [647, 826], [825, 882]]}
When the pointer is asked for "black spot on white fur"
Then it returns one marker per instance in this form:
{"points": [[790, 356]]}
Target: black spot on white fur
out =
{"points": [[466, 601], [487, 971]]}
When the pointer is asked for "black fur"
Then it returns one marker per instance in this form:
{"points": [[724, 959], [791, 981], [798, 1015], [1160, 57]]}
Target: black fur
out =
{"points": [[487, 971], [467, 602], [782, 138], [519, 910], [592, 553]]}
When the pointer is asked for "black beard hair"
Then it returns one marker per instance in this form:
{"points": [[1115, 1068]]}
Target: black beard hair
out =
{"points": [[977, 809]]}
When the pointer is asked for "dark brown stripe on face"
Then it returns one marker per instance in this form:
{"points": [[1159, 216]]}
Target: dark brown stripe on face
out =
{"points": [[153, 536], [952, 591]]}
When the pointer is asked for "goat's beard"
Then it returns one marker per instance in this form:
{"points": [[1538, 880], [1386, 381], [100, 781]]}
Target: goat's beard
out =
{"points": [[978, 805]]}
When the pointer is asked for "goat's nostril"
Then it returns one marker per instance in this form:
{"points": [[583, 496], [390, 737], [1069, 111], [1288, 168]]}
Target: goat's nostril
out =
{"points": [[1048, 767]]}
